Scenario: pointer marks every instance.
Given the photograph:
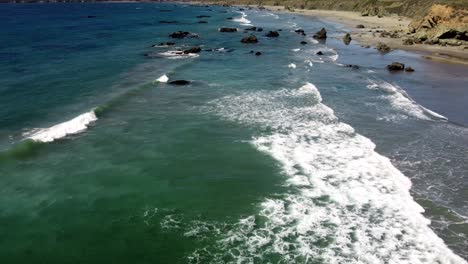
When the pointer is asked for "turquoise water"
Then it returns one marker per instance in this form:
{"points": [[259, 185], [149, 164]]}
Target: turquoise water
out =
{"points": [[261, 159]]}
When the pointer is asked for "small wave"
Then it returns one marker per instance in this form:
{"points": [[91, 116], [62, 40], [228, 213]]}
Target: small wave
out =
{"points": [[243, 19], [162, 79], [175, 54], [296, 50], [292, 66], [401, 101], [71, 127]]}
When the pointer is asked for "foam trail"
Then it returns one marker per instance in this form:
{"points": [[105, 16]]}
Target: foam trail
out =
{"points": [[345, 203], [401, 101], [178, 55], [74, 126], [243, 19]]}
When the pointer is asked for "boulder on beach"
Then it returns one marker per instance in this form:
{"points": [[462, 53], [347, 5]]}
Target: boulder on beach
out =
{"points": [[383, 48], [360, 26], [250, 39], [347, 39], [192, 50], [226, 29], [179, 82], [321, 34], [182, 34], [408, 41], [396, 66], [272, 34]]}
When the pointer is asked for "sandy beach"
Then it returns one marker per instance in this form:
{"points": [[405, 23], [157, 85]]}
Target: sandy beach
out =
{"points": [[373, 26]]}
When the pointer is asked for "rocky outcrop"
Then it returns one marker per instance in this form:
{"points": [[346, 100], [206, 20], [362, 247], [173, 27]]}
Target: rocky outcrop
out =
{"points": [[224, 29], [321, 34], [163, 44], [272, 34], [382, 47], [300, 32], [442, 22], [250, 39], [180, 82], [409, 69], [360, 26], [192, 50], [396, 66], [182, 34], [347, 39]]}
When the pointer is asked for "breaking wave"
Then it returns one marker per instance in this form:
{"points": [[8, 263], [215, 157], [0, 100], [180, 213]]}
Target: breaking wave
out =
{"points": [[243, 19], [345, 203]]}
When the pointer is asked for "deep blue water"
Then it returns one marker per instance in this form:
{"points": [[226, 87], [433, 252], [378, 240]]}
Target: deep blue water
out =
{"points": [[278, 158]]}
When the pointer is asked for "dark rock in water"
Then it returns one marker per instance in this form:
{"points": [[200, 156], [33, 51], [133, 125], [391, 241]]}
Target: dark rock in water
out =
{"points": [[366, 46], [250, 39], [91, 16], [192, 50], [241, 9], [396, 66], [347, 39], [279, 29], [252, 28], [251, 52], [409, 69], [229, 18], [228, 30], [258, 53], [167, 22], [165, 10], [259, 29], [383, 48], [272, 34], [223, 11], [203, 16], [300, 32], [202, 22], [182, 34], [321, 34], [180, 82], [319, 53], [164, 44], [352, 66], [360, 26], [303, 42]]}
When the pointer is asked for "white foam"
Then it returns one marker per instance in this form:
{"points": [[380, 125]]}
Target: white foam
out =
{"points": [[243, 19], [402, 102], [296, 50], [163, 79], [74, 126], [345, 202], [292, 66], [176, 54]]}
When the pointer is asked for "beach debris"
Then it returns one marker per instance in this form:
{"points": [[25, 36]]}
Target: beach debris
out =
{"points": [[409, 69], [180, 82], [272, 34], [360, 26], [226, 29], [250, 39], [383, 48], [396, 66], [163, 45], [347, 39], [300, 31], [182, 34], [321, 34], [192, 50]]}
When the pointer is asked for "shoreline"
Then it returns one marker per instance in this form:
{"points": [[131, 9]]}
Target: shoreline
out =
{"points": [[373, 26]]}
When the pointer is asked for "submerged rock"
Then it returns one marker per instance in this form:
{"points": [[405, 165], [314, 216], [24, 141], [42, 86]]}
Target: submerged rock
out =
{"points": [[396, 66], [251, 29], [163, 44], [320, 53], [250, 39], [203, 16], [303, 42], [300, 32], [347, 39], [272, 34], [192, 50], [179, 82], [202, 22], [225, 29], [409, 69], [352, 66], [182, 34], [258, 53], [321, 34], [168, 22]]}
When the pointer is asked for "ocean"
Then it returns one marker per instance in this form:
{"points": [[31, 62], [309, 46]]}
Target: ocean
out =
{"points": [[286, 157]]}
